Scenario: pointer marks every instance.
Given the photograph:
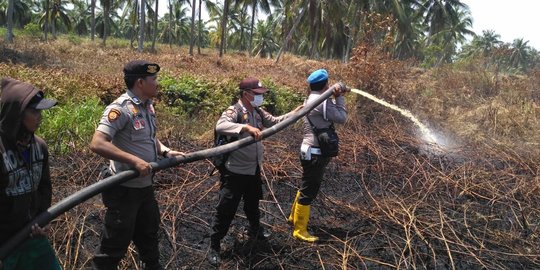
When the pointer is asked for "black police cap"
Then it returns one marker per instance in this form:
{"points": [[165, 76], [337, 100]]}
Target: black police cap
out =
{"points": [[139, 68]]}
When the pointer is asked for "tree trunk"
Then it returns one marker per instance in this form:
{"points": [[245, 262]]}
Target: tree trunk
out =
{"points": [[155, 28], [352, 35], [53, 29], [142, 24], [199, 29], [106, 8], [316, 27], [46, 23], [289, 36], [170, 24], [9, 34], [253, 9], [93, 23], [192, 40], [224, 18]]}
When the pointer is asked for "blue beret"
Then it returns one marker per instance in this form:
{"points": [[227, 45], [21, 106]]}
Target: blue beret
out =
{"points": [[318, 75]]}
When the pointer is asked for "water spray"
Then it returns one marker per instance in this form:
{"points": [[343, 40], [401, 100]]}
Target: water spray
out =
{"points": [[426, 133]]}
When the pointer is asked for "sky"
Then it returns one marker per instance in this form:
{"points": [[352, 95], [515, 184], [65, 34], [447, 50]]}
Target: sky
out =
{"points": [[509, 19]]}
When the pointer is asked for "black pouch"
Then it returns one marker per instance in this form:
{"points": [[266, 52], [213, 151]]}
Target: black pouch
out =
{"points": [[328, 141]]}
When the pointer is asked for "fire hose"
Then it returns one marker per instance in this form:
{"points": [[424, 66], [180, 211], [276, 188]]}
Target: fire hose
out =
{"points": [[90, 191]]}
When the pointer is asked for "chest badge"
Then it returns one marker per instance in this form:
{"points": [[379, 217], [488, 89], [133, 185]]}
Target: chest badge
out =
{"points": [[139, 124]]}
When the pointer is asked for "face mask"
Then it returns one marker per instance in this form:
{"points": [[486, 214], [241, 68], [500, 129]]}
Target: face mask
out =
{"points": [[257, 101]]}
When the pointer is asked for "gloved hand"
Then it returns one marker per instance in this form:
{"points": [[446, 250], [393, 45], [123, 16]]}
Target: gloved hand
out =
{"points": [[340, 88], [344, 88]]}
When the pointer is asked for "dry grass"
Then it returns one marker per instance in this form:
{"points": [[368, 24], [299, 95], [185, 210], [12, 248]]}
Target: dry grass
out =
{"points": [[389, 201]]}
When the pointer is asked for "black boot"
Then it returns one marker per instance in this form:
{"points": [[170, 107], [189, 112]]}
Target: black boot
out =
{"points": [[257, 233], [104, 262], [213, 253], [152, 266]]}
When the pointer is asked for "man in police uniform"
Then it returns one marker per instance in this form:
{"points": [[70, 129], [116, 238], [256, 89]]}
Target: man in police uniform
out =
{"points": [[126, 135], [313, 163], [242, 175]]}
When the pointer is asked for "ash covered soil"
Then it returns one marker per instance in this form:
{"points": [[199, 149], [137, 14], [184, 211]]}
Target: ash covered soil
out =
{"points": [[385, 203]]}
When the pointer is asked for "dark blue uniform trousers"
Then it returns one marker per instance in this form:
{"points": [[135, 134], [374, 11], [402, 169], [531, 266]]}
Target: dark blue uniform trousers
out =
{"points": [[233, 188], [312, 176], [132, 214]]}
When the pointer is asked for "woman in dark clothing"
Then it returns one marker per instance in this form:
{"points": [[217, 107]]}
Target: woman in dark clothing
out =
{"points": [[25, 181]]}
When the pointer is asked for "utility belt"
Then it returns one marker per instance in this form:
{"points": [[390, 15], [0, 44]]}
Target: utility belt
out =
{"points": [[306, 151]]}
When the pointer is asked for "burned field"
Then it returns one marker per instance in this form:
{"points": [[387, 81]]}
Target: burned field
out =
{"points": [[387, 202]]}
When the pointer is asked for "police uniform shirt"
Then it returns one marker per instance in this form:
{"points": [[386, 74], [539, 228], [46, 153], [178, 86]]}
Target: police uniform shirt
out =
{"points": [[132, 126], [245, 160], [328, 112]]}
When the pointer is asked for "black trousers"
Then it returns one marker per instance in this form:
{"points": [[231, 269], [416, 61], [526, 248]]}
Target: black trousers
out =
{"points": [[233, 188], [312, 176], [132, 214]]}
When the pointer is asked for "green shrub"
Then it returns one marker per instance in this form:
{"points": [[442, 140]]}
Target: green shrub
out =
{"points": [[74, 39], [190, 96], [118, 43], [32, 29], [71, 125], [280, 100]]}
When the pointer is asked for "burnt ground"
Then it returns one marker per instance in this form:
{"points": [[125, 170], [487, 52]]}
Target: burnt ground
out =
{"points": [[385, 203]]}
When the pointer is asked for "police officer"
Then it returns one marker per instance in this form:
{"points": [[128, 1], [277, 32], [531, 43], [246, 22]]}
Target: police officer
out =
{"points": [[126, 135], [241, 178], [313, 162]]}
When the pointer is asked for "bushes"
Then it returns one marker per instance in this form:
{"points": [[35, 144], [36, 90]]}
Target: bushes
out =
{"points": [[70, 126], [189, 96]]}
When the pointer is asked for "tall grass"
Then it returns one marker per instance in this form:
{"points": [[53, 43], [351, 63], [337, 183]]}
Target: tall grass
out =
{"points": [[70, 126]]}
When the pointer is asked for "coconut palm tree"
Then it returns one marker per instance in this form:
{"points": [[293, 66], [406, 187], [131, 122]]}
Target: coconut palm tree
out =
{"points": [[22, 12], [155, 17], [224, 18], [265, 44], [9, 35], [57, 16], [263, 5], [93, 21], [454, 35], [81, 16], [129, 20], [192, 38], [487, 43], [106, 4], [238, 26], [439, 14], [520, 54], [301, 9], [175, 24]]}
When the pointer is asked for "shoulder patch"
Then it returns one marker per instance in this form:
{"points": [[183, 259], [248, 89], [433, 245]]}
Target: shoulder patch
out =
{"points": [[113, 115]]}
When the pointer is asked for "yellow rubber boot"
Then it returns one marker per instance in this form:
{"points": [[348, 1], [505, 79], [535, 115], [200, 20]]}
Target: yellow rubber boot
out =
{"points": [[301, 218], [291, 216]]}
